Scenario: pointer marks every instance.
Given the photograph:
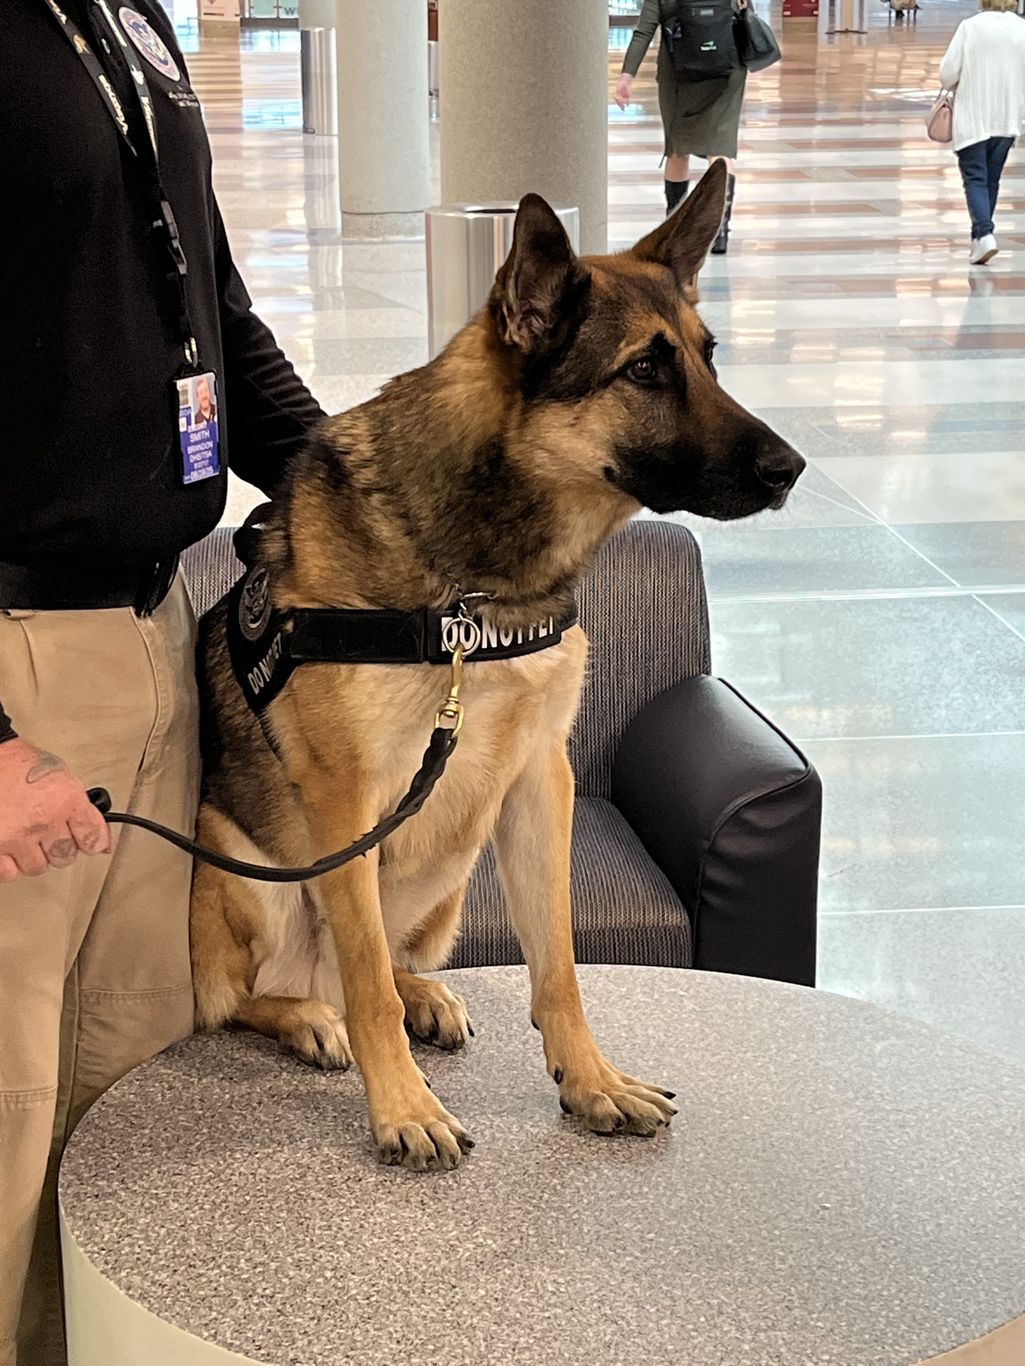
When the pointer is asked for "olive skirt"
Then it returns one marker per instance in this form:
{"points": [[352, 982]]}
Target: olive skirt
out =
{"points": [[700, 118]]}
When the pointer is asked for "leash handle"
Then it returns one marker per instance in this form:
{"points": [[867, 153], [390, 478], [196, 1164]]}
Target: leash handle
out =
{"points": [[443, 741]]}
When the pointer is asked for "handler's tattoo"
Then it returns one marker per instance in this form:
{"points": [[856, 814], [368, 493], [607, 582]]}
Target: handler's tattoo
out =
{"points": [[62, 851], [44, 766]]}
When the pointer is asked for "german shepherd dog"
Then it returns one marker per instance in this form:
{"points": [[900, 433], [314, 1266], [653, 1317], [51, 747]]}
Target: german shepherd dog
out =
{"points": [[581, 392]]}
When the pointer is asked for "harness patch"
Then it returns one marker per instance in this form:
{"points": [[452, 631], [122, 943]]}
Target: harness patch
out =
{"points": [[254, 605], [484, 638], [258, 639]]}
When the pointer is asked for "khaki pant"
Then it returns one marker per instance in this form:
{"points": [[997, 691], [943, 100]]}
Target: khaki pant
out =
{"points": [[94, 958]]}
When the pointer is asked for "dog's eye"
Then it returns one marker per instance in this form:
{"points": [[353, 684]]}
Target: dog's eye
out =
{"points": [[709, 353], [643, 370]]}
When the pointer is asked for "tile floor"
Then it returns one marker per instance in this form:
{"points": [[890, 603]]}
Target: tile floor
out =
{"points": [[881, 618]]}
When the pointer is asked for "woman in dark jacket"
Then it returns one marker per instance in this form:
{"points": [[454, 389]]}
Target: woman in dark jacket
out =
{"points": [[701, 118]]}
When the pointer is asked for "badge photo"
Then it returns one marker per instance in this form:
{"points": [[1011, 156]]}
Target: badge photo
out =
{"points": [[198, 427], [149, 43]]}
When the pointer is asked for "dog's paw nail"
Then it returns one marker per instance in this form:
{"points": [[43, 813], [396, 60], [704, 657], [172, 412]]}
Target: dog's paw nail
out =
{"points": [[557, 1076], [471, 1031], [533, 1023], [669, 1095], [566, 1109]]}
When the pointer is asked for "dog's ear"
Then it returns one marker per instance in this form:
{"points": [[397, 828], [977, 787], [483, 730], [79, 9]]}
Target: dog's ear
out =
{"points": [[536, 285], [682, 241]]}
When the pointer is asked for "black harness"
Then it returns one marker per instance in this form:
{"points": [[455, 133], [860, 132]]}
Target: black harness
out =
{"points": [[267, 646]]}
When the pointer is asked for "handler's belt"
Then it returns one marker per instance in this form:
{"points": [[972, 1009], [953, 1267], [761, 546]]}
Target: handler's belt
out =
{"points": [[85, 587], [267, 646]]}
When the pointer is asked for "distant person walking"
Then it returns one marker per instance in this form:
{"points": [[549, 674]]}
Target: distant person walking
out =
{"points": [[700, 117], [985, 66]]}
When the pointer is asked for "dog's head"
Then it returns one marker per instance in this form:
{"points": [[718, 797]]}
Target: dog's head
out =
{"points": [[615, 366]]}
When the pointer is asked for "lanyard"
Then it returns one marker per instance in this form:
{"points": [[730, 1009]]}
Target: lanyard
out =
{"points": [[147, 156]]}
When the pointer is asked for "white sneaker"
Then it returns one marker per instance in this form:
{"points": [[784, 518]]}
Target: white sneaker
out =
{"points": [[983, 250]]}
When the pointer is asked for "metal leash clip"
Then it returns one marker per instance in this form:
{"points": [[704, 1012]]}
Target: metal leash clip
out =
{"points": [[450, 715]]}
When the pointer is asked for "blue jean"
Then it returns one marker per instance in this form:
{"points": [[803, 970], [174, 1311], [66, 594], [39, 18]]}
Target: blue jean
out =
{"points": [[981, 165]]}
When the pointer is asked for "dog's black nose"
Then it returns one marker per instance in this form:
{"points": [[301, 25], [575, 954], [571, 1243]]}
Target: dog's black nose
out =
{"points": [[779, 468]]}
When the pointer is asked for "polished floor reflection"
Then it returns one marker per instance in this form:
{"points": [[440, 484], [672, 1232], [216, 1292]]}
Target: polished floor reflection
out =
{"points": [[881, 618]]}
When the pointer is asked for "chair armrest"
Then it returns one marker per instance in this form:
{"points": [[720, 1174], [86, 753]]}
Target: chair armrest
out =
{"points": [[731, 811]]}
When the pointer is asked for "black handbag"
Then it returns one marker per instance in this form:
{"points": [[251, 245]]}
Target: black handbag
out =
{"points": [[756, 42]]}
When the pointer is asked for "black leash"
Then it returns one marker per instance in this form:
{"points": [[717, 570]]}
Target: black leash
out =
{"points": [[444, 738], [443, 742]]}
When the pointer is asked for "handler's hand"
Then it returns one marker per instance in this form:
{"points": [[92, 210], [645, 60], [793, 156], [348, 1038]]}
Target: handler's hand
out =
{"points": [[623, 87], [45, 816]]}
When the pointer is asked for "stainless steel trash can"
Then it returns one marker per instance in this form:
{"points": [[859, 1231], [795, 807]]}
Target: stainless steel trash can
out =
{"points": [[466, 244], [432, 54], [318, 66], [432, 69]]}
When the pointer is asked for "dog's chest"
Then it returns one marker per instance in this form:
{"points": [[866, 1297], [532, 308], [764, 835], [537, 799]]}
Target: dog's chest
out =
{"points": [[514, 709]]}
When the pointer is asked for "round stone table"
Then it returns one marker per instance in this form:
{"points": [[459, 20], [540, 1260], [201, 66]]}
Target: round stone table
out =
{"points": [[841, 1187]]}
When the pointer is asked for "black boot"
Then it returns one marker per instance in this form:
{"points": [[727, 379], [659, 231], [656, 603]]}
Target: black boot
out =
{"points": [[721, 244], [676, 193]]}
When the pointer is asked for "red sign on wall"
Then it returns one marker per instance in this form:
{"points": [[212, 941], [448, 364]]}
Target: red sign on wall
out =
{"points": [[800, 9]]}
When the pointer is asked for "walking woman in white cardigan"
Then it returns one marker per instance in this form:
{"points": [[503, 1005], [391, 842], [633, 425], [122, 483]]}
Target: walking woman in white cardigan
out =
{"points": [[985, 66]]}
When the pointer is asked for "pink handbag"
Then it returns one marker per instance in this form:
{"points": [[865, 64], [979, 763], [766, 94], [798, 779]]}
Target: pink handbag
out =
{"points": [[940, 123]]}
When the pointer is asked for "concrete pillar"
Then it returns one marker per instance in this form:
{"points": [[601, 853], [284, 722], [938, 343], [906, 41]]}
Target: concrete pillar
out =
{"points": [[382, 116], [524, 105], [316, 14]]}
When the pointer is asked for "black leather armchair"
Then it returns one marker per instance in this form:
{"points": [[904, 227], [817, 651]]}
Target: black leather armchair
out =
{"points": [[697, 826]]}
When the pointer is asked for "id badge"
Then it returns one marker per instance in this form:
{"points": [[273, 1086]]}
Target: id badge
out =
{"points": [[197, 427]]}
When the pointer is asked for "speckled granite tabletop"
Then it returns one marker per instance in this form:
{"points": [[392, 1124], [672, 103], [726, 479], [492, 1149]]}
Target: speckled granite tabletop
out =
{"points": [[841, 1188]]}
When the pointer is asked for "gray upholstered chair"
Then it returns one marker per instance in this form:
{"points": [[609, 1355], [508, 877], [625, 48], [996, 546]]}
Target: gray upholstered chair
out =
{"points": [[696, 833]]}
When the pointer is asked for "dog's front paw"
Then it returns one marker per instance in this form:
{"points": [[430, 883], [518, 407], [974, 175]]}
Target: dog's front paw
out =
{"points": [[610, 1102], [421, 1136], [434, 1014]]}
